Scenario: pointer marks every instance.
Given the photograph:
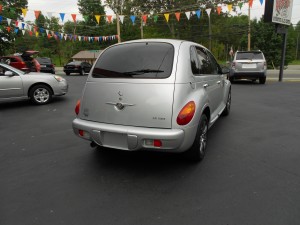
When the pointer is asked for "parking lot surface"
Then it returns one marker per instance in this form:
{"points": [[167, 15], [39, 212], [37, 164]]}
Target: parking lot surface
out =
{"points": [[250, 175]]}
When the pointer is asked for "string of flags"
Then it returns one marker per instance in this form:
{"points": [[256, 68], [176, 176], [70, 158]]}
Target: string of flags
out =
{"points": [[33, 30]]}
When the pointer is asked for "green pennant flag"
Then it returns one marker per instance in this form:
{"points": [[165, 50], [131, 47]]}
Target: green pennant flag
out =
{"points": [[155, 18], [85, 18], [241, 5]]}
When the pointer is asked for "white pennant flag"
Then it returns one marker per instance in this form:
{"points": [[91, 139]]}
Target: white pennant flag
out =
{"points": [[66, 36], [23, 32], [208, 11], [47, 32], [8, 21], [121, 19], [79, 38], [49, 14], [29, 27], [188, 15]]}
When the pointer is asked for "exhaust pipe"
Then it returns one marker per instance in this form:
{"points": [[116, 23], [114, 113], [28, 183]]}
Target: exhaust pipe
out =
{"points": [[93, 144]]}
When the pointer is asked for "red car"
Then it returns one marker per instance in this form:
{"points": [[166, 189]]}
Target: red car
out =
{"points": [[24, 62]]}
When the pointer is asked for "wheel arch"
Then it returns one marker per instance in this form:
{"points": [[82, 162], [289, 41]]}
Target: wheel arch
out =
{"points": [[40, 83]]}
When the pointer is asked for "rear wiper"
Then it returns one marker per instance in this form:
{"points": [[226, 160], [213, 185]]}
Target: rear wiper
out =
{"points": [[139, 72]]}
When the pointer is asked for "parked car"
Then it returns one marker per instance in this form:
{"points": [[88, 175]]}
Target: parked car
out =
{"points": [[39, 88], [250, 65], [24, 61], [46, 65], [157, 95], [77, 67]]}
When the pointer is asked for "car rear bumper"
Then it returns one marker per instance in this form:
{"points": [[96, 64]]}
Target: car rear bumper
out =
{"points": [[129, 137], [247, 75]]}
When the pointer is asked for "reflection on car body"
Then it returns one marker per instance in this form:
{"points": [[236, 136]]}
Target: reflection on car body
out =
{"points": [[157, 95]]}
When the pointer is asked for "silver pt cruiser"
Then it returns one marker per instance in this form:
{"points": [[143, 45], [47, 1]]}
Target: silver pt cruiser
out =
{"points": [[153, 94]]}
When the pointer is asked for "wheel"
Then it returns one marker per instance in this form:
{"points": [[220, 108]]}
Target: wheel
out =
{"points": [[40, 94], [231, 79], [226, 111], [82, 71], [262, 80], [197, 151], [67, 73], [53, 72]]}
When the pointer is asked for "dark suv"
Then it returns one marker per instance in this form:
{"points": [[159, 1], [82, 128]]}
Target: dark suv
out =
{"points": [[24, 61], [46, 65], [249, 65]]}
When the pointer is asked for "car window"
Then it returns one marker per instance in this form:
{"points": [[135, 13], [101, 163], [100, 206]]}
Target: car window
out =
{"points": [[135, 61], [249, 55], [194, 61], [44, 60], [206, 66], [214, 64]]}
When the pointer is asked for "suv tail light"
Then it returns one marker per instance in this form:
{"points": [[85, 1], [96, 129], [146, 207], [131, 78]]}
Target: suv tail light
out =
{"points": [[233, 64], [77, 108], [186, 114]]}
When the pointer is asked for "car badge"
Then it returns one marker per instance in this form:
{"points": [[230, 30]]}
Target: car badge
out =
{"points": [[120, 93], [120, 106]]}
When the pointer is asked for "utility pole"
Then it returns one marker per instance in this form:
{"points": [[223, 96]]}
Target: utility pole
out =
{"points": [[142, 30], [118, 28], [297, 47], [249, 29]]}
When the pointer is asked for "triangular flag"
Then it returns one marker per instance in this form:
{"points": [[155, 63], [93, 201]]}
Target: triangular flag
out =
{"points": [[8, 29], [1, 8], [241, 5], [109, 18], [23, 32], [144, 18], [261, 2], [229, 7], [47, 31], [188, 15], [155, 18], [250, 3], [42, 30], [30, 33], [177, 14], [49, 36], [121, 18], [198, 13], [16, 23], [36, 34], [74, 17], [62, 16], [29, 27], [167, 15], [1, 19], [23, 26], [24, 11], [219, 9], [8, 21], [79, 38], [37, 14], [16, 30], [208, 12], [49, 14], [132, 17], [97, 18], [86, 18]]}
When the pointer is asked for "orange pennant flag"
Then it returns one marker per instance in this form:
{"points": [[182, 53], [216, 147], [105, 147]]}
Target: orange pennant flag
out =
{"points": [[74, 17], [8, 29], [250, 3], [37, 14], [97, 18], [177, 15], [144, 17], [219, 10], [49, 36], [0, 8], [109, 18], [167, 15]]}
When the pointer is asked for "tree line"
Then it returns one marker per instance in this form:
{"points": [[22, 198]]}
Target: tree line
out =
{"points": [[227, 31]]}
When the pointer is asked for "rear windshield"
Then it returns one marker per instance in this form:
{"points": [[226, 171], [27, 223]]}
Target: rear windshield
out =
{"points": [[43, 60], [136, 60], [249, 55], [74, 63]]}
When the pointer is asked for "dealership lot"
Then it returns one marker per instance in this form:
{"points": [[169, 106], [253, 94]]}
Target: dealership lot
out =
{"points": [[250, 175]]}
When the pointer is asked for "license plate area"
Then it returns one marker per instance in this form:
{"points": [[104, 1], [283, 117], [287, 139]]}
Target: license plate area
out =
{"points": [[114, 140], [249, 66]]}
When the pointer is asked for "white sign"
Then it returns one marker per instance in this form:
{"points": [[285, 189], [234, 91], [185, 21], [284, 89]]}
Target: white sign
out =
{"points": [[282, 11]]}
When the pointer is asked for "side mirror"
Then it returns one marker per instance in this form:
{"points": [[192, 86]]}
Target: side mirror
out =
{"points": [[9, 73], [225, 70]]}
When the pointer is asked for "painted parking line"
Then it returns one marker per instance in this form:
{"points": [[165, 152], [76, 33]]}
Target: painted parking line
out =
{"points": [[285, 79]]}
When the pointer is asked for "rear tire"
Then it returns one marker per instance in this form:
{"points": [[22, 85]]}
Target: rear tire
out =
{"points": [[197, 151], [67, 73], [226, 111], [82, 72], [262, 80]]}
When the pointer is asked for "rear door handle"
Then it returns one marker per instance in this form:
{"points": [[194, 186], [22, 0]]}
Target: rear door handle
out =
{"points": [[205, 85], [219, 82]]}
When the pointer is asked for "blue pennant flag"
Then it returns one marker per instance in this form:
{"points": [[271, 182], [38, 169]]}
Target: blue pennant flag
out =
{"points": [[16, 30], [0, 19], [198, 13], [62, 16], [23, 26], [132, 18]]}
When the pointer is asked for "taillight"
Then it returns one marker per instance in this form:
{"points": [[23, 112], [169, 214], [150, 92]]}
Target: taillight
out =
{"points": [[77, 108], [233, 64], [186, 114]]}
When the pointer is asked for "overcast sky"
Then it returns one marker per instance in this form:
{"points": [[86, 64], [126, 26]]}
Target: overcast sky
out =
{"points": [[70, 7]]}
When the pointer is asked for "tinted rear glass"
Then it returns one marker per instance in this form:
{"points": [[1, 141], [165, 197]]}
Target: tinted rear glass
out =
{"points": [[44, 60], [249, 55], [136, 60]]}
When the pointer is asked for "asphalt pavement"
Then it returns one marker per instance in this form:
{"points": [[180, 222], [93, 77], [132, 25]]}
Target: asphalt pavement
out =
{"points": [[250, 175]]}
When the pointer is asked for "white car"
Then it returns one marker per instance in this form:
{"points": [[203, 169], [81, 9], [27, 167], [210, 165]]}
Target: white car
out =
{"points": [[38, 87], [156, 95]]}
